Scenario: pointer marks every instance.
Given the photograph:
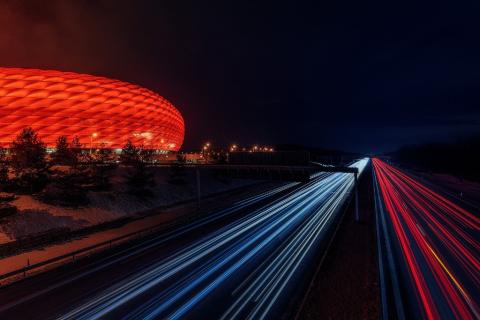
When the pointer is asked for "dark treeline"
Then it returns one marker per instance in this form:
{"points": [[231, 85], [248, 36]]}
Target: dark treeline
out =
{"points": [[65, 176], [460, 158]]}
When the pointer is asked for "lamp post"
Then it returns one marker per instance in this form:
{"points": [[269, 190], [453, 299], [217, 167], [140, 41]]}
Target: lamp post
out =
{"points": [[204, 150], [93, 135]]}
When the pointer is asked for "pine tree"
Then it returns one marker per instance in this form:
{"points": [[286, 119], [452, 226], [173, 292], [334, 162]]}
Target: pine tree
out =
{"points": [[29, 161], [76, 151], [101, 170], [130, 154], [139, 176], [4, 180], [63, 153]]}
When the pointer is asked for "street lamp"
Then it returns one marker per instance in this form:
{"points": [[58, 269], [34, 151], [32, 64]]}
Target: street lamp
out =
{"points": [[204, 150], [94, 135]]}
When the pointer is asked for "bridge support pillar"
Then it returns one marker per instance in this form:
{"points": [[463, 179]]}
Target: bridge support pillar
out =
{"points": [[357, 212]]}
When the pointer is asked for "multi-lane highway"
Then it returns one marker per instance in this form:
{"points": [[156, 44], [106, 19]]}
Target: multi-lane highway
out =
{"points": [[429, 250], [247, 267]]}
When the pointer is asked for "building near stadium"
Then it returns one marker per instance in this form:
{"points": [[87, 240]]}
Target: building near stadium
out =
{"points": [[101, 112]]}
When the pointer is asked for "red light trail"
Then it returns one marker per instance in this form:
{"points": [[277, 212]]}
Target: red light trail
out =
{"points": [[439, 245]]}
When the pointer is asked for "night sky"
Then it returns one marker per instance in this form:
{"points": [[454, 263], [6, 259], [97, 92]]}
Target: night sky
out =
{"points": [[365, 76]]}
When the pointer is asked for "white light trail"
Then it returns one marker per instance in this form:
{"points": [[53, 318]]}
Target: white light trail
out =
{"points": [[291, 226]]}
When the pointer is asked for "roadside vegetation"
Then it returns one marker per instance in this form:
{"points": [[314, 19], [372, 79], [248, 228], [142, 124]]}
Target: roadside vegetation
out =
{"points": [[65, 176], [71, 186], [459, 158]]}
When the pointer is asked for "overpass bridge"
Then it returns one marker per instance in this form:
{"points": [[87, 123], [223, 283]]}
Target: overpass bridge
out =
{"points": [[279, 172]]}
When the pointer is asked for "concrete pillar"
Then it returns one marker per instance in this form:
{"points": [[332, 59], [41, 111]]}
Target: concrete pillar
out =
{"points": [[357, 212]]}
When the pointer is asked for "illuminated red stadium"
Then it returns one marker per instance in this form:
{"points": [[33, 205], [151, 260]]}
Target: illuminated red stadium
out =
{"points": [[100, 111]]}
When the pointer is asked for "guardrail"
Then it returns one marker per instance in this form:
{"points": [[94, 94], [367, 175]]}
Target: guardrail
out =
{"points": [[81, 253], [74, 255]]}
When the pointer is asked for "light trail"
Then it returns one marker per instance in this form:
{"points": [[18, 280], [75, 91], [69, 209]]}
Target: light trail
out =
{"points": [[132, 251], [233, 259], [438, 245]]}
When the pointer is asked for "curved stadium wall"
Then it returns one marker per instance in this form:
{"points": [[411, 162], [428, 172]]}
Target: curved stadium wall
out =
{"points": [[102, 112]]}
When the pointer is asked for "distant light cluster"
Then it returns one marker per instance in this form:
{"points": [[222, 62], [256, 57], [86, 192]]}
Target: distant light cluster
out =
{"points": [[101, 112], [206, 147]]}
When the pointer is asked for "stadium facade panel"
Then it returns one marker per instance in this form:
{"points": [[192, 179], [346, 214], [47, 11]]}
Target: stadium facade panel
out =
{"points": [[102, 112]]}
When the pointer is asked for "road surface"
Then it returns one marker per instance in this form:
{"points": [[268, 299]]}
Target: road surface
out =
{"points": [[247, 267], [431, 248]]}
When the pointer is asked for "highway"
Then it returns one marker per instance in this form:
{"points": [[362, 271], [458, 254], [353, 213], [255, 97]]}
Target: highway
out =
{"points": [[429, 250], [216, 268]]}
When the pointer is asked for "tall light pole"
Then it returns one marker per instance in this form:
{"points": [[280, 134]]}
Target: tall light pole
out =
{"points": [[204, 150], [93, 135]]}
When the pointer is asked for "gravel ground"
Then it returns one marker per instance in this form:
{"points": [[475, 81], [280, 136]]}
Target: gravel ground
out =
{"points": [[346, 285]]}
